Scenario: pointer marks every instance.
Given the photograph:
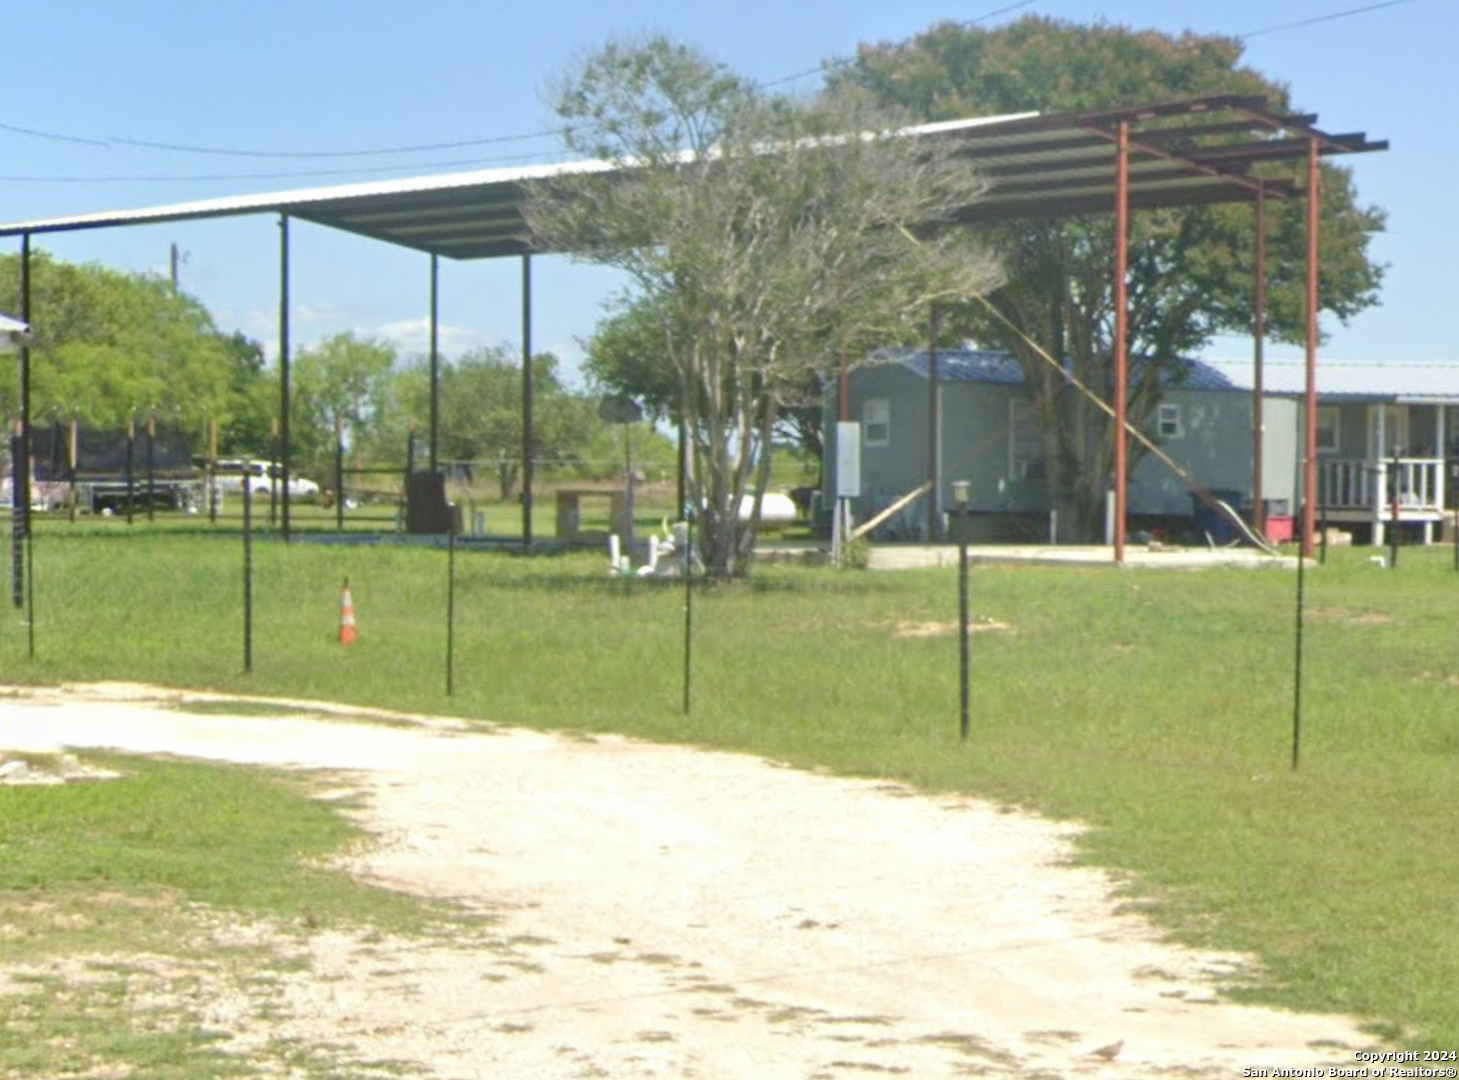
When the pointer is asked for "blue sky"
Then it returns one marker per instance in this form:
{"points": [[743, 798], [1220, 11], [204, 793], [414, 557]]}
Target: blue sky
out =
{"points": [[312, 76]]}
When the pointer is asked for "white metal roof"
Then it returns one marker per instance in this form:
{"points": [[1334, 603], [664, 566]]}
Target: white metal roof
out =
{"points": [[1038, 165], [1410, 381]]}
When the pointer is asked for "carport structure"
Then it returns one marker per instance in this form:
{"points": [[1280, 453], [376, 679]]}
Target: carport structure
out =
{"points": [[1195, 151]]}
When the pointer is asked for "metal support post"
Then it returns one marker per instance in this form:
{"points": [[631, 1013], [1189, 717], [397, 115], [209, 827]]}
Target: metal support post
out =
{"points": [[1121, 314], [247, 572], [286, 449]]}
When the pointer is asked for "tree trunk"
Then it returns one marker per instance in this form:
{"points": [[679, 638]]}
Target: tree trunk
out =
{"points": [[506, 478]]}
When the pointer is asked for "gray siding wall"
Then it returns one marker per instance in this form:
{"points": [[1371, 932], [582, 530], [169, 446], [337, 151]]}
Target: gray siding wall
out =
{"points": [[887, 472], [1215, 446], [975, 447]]}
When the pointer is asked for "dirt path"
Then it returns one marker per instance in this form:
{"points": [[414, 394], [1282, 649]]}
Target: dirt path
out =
{"points": [[678, 913]]}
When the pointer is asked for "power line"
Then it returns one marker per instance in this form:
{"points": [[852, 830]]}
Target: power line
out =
{"points": [[231, 152], [465, 163], [51, 135], [1323, 18], [488, 141], [238, 152], [844, 61]]}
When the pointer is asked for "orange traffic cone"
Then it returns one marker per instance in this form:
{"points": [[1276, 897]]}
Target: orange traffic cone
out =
{"points": [[346, 615]]}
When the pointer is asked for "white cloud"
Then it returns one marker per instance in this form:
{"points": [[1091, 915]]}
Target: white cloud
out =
{"points": [[412, 337]]}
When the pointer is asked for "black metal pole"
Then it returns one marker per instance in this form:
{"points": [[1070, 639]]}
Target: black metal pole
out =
{"points": [[526, 402], [688, 604], [1297, 667], [212, 472], [20, 468], [450, 612], [339, 474], [19, 518], [285, 458], [29, 588], [151, 466], [435, 362], [273, 480], [131, 442], [247, 572], [71, 448], [933, 436], [962, 611]]}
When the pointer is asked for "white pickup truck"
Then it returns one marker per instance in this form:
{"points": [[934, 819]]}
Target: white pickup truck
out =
{"points": [[262, 476]]}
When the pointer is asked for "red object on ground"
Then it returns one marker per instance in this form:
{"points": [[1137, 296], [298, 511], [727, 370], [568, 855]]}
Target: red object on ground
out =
{"points": [[1279, 528]]}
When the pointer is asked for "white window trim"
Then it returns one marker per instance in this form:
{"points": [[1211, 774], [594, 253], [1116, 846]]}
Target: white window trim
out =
{"points": [[1173, 409], [867, 421], [1336, 427]]}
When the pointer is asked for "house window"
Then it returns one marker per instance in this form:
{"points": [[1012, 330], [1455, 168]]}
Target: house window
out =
{"points": [[1168, 422], [1328, 431], [1025, 442], [876, 422]]}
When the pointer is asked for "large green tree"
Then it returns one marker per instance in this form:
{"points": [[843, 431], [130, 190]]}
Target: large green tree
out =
{"points": [[766, 237], [1190, 273], [344, 380], [112, 346]]}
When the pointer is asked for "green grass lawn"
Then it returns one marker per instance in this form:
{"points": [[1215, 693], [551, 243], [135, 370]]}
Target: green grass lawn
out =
{"points": [[1155, 706]]}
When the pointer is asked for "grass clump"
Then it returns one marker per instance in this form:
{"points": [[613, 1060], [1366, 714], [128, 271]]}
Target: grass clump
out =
{"points": [[118, 893]]}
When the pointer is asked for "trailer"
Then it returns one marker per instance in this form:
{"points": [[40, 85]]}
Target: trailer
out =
{"points": [[109, 494], [105, 472]]}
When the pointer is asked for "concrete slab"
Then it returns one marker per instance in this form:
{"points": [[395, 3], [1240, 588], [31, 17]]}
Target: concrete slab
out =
{"points": [[911, 556]]}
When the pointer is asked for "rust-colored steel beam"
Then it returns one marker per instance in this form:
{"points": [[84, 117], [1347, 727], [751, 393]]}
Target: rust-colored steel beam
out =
{"points": [[1121, 303], [1258, 303], [843, 386], [1309, 433]]}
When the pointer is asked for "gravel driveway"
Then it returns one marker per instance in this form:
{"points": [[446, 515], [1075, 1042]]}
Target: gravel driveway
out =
{"points": [[670, 912]]}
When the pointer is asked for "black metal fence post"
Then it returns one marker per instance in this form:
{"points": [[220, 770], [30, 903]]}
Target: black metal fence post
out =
{"points": [[71, 455], [1297, 665], [131, 443], [151, 466], [688, 603], [213, 472], [450, 612], [962, 612], [247, 573], [273, 480], [339, 474]]}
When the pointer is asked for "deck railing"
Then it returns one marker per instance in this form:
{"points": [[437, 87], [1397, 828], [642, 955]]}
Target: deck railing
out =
{"points": [[1366, 484]]}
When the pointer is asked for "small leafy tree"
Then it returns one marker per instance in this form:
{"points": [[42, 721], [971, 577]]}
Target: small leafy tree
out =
{"points": [[764, 239], [480, 401]]}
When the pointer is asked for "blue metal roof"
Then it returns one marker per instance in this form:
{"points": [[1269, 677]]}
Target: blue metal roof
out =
{"points": [[996, 366]]}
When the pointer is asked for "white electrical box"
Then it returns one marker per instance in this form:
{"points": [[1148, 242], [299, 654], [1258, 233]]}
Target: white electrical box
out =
{"points": [[848, 459]]}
